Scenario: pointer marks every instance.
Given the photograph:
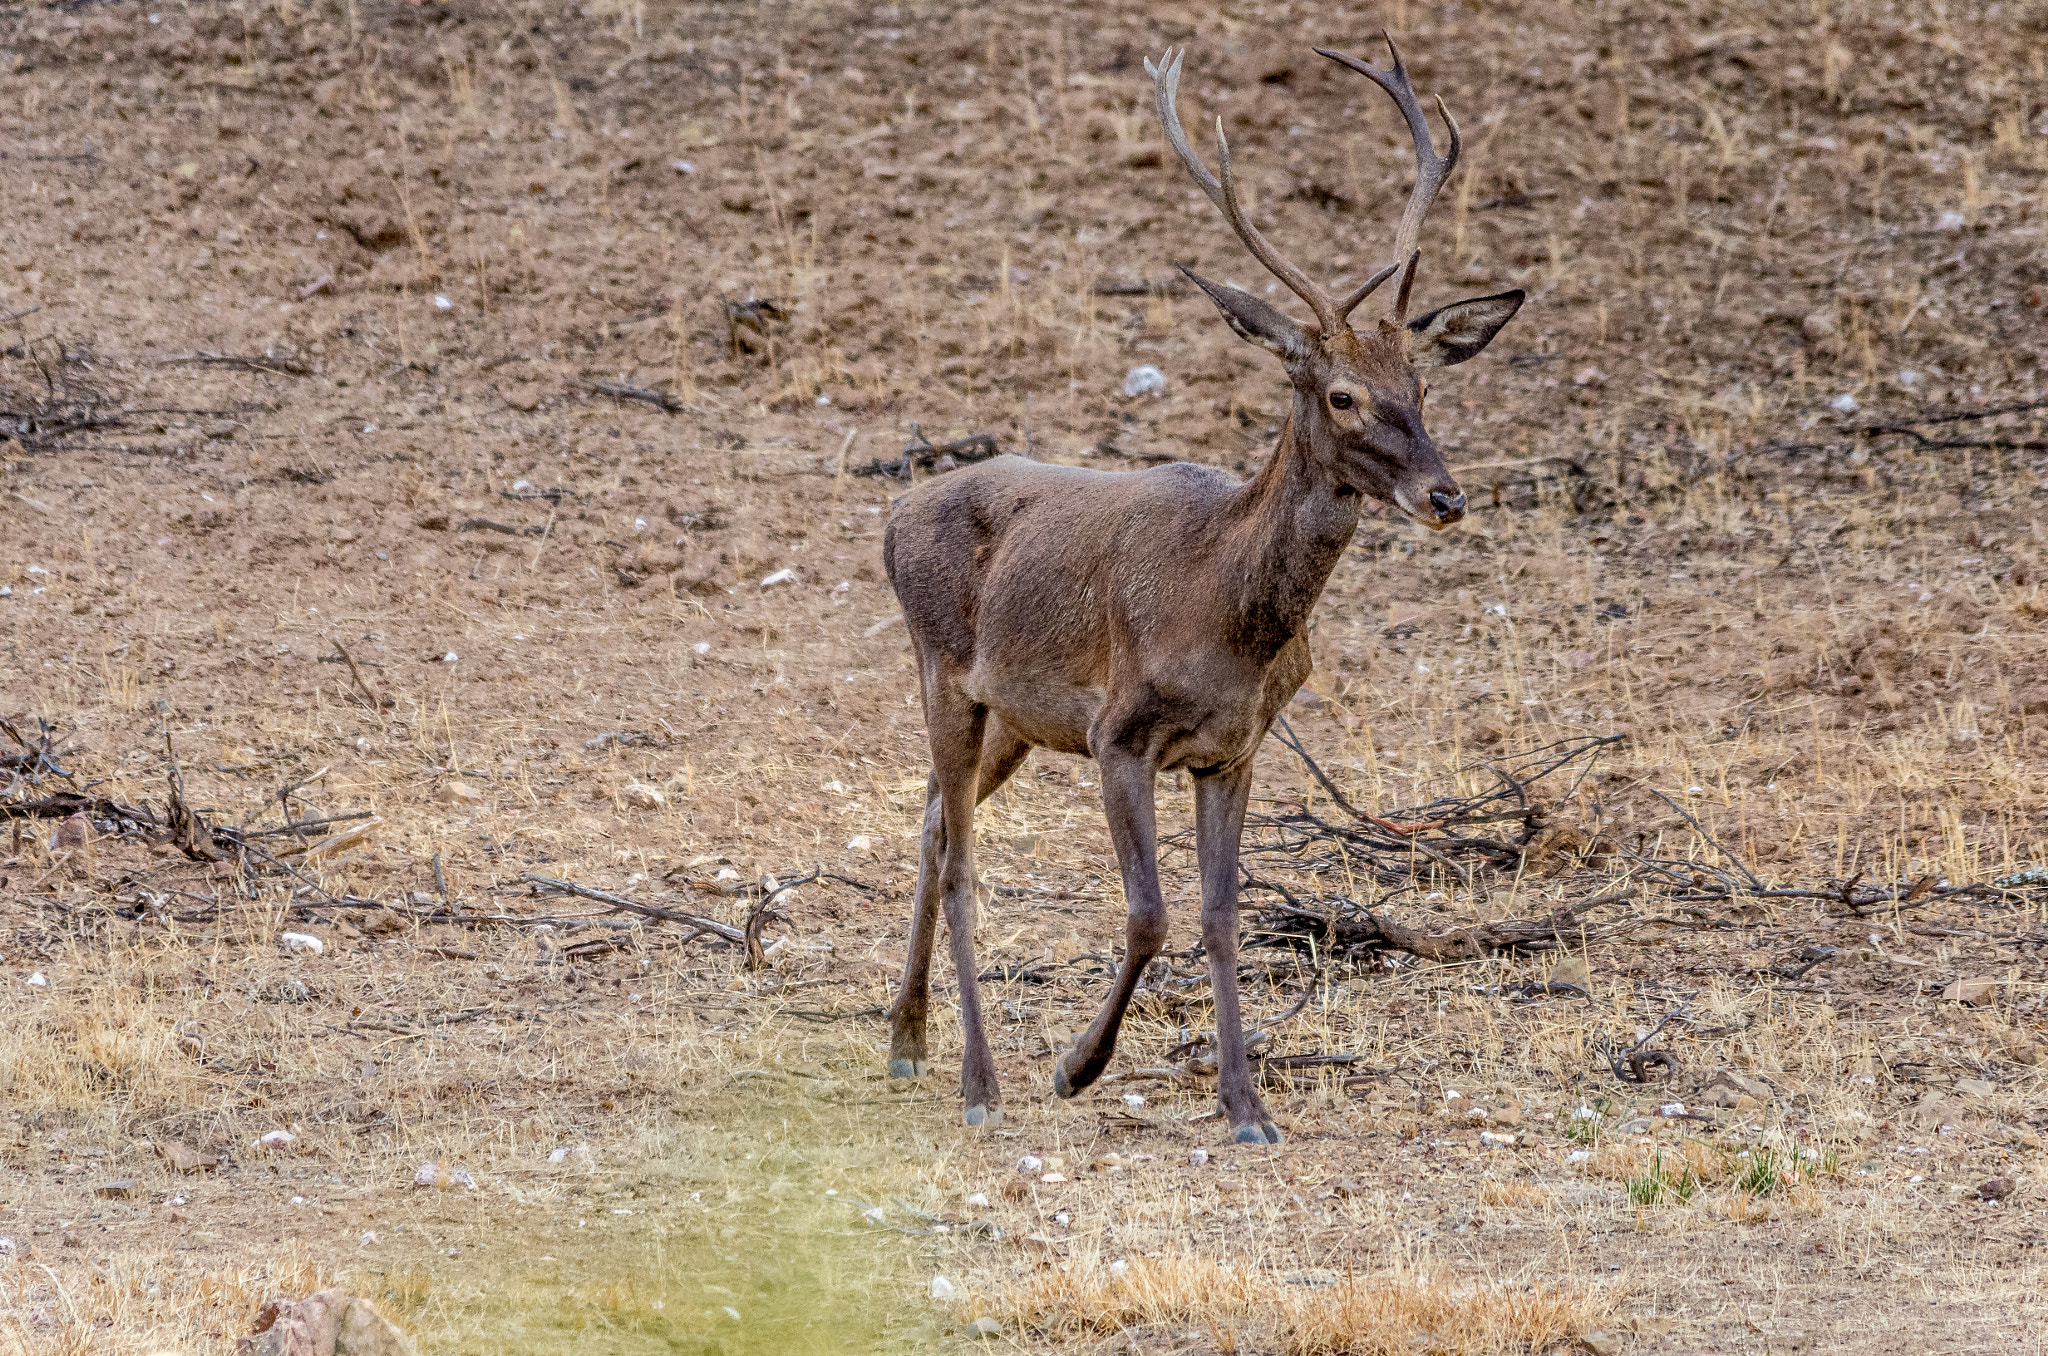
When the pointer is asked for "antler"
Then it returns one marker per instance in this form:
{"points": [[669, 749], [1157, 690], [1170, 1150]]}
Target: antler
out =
{"points": [[1430, 169], [1166, 84]]}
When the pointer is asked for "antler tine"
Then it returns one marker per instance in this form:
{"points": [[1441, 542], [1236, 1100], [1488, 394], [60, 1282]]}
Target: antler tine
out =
{"points": [[1223, 192], [1366, 289], [1431, 170]]}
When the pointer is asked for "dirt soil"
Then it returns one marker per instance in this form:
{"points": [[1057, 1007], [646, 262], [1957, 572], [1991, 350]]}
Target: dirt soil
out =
{"points": [[466, 418]]}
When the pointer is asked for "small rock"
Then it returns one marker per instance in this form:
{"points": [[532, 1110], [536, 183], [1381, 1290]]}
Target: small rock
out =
{"points": [[984, 1328], [641, 796], [1727, 1089], [1976, 1087], [977, 1201], [1134, 1099], [38, 980], [459, 793], [1345, 1186], [1845, 404], [442, 1179], [8, 1247], [1997, 1189], [1818, 326], [942, 1289], [1511, 1114], [1030, 1163], [1589, 376], [185, 1158], [1975, 992], [1144, 380], [1198, 1158], [328, 1322], [1950, 220], [860, 842], [301, 943], [127, 1189], [1053, 1178], [579, 1153], [1572, 970], [74, 832], [783, 576], [1600, 1343], [1489, 1140], [1639, 1126], [276, 1140]]}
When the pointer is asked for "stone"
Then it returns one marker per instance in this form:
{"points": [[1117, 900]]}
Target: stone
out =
{"points": [[942, 1290], [75, 832], [641, 796], [1600, 1343], [1144, 379], [127, 1189], [1818, 326], [984, 1328], [327, 1323], [185, 1158], [301, 943], [1572, 970], [459, 793], [276, 1140], [1726, 1088], [443, 1179], [1997, 1189], [1975, 992], [1976, 1087], [1509, 1115], [1639, 1126]]}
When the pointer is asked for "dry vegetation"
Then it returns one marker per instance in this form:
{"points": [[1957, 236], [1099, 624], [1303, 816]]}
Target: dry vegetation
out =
{"points": [[406, 403]]}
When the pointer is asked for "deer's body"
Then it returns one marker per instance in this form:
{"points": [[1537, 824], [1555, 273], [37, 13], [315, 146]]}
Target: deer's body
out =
{"points": [[1157, 620], [1061, 599]]}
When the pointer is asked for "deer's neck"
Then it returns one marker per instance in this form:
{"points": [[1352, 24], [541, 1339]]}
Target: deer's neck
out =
{"points": [[1291, 524]]}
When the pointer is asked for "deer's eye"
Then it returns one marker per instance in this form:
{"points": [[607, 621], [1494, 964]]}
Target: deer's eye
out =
{"points": [[1340, 400]]}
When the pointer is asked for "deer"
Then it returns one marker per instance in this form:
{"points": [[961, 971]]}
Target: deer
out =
{"points": [[1156, 621]]}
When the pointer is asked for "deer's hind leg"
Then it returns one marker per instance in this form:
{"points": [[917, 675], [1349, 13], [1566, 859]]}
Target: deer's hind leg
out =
{"points": [[1002, 752]]}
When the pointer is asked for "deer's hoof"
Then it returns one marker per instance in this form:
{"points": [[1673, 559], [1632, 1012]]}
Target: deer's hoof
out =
{"points": [[984, 1117], [1257, 1132], [1062, 1083], [909, 1068]]}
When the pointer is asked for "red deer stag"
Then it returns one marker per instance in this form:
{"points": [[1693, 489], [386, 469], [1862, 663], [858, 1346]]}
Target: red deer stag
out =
{"points": [[1158, 619]]}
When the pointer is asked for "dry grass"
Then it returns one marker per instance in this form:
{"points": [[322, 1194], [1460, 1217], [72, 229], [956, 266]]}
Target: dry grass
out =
{"points": [[1426, 1308]]}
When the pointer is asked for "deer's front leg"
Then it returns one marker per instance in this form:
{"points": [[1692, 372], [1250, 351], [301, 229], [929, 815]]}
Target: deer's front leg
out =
{"points": [[1127, 784], [1219, 824]]}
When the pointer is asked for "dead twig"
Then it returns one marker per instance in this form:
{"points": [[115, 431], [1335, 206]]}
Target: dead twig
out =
{"points": [[710, 925]]}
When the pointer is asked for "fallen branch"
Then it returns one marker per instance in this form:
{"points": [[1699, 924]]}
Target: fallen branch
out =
{"points": [[919, 455], [710, 925]]}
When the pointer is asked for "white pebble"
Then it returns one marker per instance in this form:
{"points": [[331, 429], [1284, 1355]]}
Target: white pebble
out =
{"points": [[1134, 1099], [301, 943], [1144, 380], [1030, 1163], [977, 1201], [942, 1289], [38, 980], [782, 576], [1198, 1157]]}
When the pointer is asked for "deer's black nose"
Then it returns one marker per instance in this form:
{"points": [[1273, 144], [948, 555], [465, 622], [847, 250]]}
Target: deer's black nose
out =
{"points": [[1449, 506]]}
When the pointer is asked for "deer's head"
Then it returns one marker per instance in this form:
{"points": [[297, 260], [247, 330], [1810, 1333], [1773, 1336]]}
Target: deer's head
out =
{"points": [[1358, 396]]}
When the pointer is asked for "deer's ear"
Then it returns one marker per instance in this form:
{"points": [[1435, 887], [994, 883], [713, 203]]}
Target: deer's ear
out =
{"points": [[1266, 326], [1460, 330]]}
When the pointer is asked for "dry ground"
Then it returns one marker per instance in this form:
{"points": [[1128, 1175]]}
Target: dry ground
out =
{"points": [[309, 312]]}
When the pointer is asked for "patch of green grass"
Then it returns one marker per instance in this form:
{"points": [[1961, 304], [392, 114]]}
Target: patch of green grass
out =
{"points": [[1660, 1185]]}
